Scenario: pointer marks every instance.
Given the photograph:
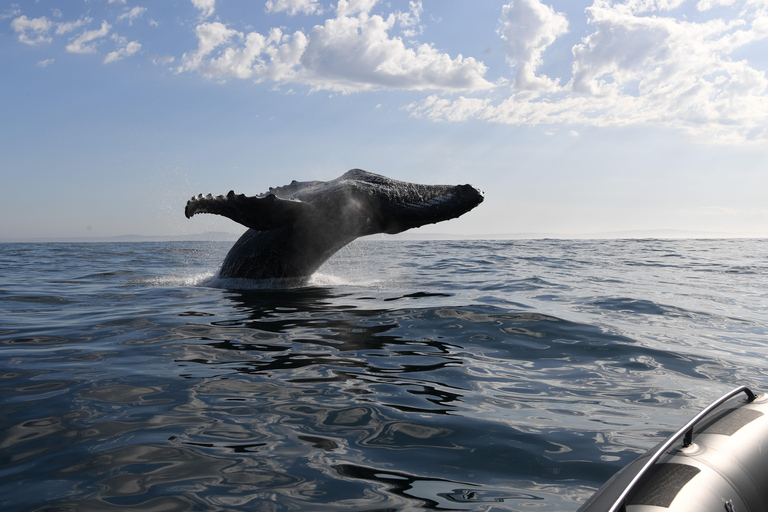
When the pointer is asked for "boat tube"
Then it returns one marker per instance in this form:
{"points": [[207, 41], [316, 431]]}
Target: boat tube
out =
{"points": [[717, 462]]}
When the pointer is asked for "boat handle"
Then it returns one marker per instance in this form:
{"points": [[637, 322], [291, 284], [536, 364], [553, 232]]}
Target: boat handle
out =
{"points": [[686, 431]]}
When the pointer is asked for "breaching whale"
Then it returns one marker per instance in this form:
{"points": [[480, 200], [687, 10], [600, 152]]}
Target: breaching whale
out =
{"points": [[295, 228]]}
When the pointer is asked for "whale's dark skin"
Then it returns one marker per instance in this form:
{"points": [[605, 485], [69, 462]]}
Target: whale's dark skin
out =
{"points": [[295, 228]]}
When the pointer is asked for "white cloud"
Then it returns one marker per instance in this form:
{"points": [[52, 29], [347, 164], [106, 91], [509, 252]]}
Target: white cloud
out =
{"points": [[409, 20], [87, 41], [37, 30], [161, 60], [206, 7], [353, 53], [66, 27], [441, 109], [705, 5], [635, 69], [688, 65], [284, 58], [638, 6], [353, 7], [251, 55], [294, 6], [346, 53], [125, 49], [528, 28], [132, 14], [671, 70], [209, 37], [32, 31], [45, 63], [11, 12]]}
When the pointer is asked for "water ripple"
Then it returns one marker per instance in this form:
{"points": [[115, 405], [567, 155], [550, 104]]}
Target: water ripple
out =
{"points": [[452, 376]]}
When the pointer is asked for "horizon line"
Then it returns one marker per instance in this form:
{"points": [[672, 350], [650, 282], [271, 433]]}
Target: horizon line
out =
{"points": [[221, 236]]}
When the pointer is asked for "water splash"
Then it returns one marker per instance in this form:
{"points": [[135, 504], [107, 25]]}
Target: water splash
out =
{"points": [[318, 279], [197, 279]]}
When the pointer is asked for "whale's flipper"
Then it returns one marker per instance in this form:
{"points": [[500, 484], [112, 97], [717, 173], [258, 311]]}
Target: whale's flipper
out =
{"points": [[259, 213]]}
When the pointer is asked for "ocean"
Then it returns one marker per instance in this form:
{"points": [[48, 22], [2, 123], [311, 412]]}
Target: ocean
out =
{"points": [[406, 375]]}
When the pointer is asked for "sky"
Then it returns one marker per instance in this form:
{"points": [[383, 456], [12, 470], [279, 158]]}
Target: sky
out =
{"points": [[573, 117]]}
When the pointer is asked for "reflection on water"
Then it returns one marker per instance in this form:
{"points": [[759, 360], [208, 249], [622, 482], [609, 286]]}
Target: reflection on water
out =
{"points": [[299, 403], [429, 490], [480, 377]]}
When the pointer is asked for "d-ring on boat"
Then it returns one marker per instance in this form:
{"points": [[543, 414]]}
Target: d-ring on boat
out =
{"points": [[717, 462]]}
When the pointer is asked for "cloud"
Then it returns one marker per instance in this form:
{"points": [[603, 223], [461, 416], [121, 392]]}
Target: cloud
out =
{"points": [[635, 62], [350, 52], [125, 49], [354, 7], [705, 5], [639, 6], [132, 14], [209, 37], [639, 69], [37, 30], [528, 28], [32, 31], [161, 60], [294, 7], [675, 72], [10, 12], [87, 41], [206, 7], [409, 20], [251, 55], [66, 27], [442, 109]]}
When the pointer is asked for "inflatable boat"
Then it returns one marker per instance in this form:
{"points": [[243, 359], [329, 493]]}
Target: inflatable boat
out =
{"points": [[717, 462]]}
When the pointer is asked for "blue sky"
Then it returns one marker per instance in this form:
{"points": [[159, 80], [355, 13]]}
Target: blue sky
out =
{"points": [[572, 116]]}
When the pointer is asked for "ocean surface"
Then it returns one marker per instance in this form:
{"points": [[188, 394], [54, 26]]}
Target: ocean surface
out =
{"points": [[441, 375]]}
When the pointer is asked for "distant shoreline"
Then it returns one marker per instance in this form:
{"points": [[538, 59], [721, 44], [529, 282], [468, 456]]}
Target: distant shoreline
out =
{"points": [[217, 236]]}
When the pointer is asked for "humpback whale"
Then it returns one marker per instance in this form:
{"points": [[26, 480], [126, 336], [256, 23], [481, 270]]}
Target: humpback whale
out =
{"points": [[295, 228]]}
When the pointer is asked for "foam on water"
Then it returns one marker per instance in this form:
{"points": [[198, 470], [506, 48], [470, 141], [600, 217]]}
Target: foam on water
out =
{"points": [[239, 283], [317, 279], [195, 279]]}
